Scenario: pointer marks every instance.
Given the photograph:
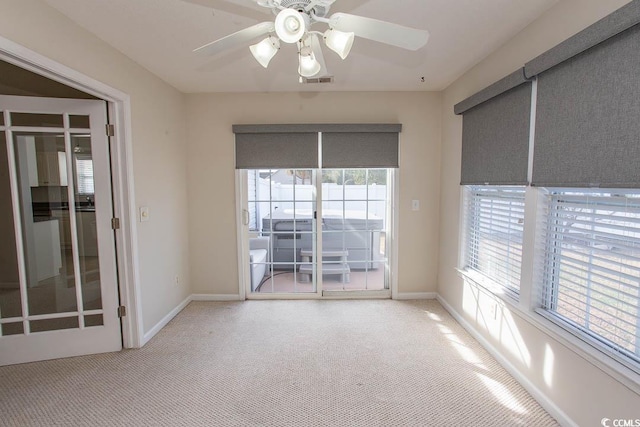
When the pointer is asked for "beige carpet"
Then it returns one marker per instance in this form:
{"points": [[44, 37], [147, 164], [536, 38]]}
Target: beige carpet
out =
{"points": [[280, 363]]}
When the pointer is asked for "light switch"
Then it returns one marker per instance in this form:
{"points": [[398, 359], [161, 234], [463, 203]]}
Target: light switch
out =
{"points": [[144, 214], [415, 205]]}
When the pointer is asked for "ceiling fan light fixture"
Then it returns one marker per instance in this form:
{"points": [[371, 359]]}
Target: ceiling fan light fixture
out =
{"points": [[290, 25], [265, 50], [339, 41], [309, 65]]}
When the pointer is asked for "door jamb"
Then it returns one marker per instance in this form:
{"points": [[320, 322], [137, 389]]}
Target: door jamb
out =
{"points": [[119, 107]]}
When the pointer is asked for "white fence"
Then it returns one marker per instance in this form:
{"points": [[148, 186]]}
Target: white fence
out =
{"points": [[336, 199]]}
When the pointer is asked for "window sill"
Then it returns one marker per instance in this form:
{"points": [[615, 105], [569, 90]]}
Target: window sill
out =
{"points": [[586, 348], [490, 286]]}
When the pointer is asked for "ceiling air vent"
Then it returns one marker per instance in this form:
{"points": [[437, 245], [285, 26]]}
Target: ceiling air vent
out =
{"points": [[327, 79]]}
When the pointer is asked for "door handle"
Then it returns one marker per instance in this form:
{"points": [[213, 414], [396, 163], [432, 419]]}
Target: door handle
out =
{"points": [[245, 217]]}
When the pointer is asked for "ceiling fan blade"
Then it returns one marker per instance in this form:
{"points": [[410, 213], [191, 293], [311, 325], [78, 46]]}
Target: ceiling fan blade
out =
{"points": [[236, 39], [380, 31]]}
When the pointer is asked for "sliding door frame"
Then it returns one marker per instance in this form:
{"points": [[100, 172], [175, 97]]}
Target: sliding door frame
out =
{"points": [[244, 276]]}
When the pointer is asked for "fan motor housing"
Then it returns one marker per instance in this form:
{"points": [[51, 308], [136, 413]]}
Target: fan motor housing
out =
{"points": [[321, 8]]}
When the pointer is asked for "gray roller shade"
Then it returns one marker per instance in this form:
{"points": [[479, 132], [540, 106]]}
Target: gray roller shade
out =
{"points": [[514, 79], [588, 126], [495, 139], [610, 26], [360, 150], [294, 150]]}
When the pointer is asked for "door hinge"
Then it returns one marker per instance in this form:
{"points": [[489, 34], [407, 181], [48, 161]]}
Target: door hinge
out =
{"points": [[122, 311], [111, 130], [115, 223]]}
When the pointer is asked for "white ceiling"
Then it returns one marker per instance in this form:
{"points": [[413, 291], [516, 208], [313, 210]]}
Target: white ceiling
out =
{"points": [[161, 34]]}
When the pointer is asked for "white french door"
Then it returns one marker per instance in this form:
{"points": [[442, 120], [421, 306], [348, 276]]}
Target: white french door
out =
{"points": [[58, 281], [316, 231]]}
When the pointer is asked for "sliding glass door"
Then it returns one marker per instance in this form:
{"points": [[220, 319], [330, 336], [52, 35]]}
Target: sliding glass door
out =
{"points": [[355, 213], [285, 210], [282, 231]]}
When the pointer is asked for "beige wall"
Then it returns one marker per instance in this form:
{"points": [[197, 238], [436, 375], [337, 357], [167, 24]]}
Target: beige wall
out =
{"points": [[582, 391], [159, 143], [211, 173]]}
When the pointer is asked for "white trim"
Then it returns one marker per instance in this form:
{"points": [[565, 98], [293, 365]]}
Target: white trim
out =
{"points": [[318, 236], [415, 295], [216, 297], [532, 127], [282, 296], [242, 234], [40, 64], [125, 208], [381, 294], [164, 321], [462, 228], [122, 173], [535, 392], [395, 234]]}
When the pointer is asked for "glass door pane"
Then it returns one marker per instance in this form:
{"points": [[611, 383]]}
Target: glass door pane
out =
{"points": [[281, 206], [354, 224], [42, 186], [10, 303], [58, 226]]}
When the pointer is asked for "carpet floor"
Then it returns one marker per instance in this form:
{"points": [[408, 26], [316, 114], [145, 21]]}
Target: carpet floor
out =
{"points": [[280, 363]]}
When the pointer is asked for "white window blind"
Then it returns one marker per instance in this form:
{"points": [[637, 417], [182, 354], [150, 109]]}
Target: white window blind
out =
{"points": [[591, 268], [494, 229], [84, 171]]}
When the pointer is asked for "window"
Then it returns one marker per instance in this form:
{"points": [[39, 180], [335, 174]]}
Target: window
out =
{"points": [[591, 267], [494, 229], [84, 169]]}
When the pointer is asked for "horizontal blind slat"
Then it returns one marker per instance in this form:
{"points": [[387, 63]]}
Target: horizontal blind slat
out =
{"points": [[495, 217], [591, 267]]}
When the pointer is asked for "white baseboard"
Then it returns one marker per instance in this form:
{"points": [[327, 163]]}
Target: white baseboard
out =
{"points": [[162, 323], [534, 391], [382, 294], [216, 297], [415, 295]]}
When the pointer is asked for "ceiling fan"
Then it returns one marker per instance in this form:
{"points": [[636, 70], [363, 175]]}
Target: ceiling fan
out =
{"points": [[293, 24]]}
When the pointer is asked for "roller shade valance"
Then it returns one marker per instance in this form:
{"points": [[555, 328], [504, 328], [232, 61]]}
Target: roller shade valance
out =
{"points": [[610, 26], [318, 127], [587, 126], [297, 145], [495, 134], [503, 85]]}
